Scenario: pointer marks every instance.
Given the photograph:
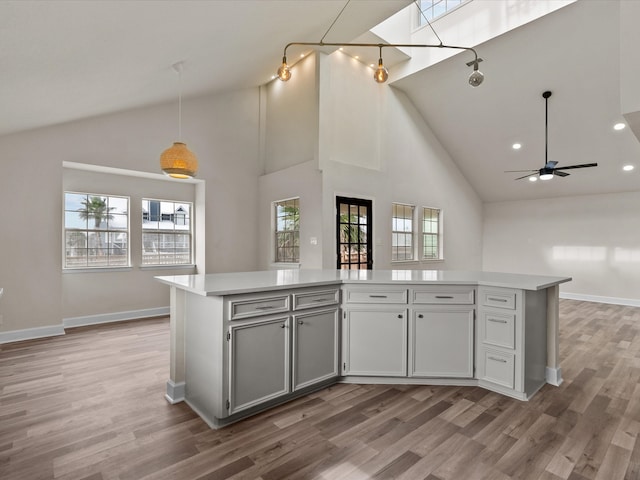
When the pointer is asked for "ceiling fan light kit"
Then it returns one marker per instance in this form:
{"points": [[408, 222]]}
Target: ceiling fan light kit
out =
{"points": [[549, 170]]}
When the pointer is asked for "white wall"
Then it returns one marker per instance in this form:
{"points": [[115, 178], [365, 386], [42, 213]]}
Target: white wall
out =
{"points": [[378, 147], [594, 239], [93, 293], [291, 118], [305, 182], [222, 130]]}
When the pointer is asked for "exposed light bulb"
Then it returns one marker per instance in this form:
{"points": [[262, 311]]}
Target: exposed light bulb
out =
{"points": [[284, 72], [381, 74], [476, 77]]}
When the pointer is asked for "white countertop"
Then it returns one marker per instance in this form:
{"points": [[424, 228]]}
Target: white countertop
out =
{"points": [[246, 282]]}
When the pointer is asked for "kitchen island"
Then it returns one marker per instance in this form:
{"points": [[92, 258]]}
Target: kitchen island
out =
{"points": [[244, 342]]}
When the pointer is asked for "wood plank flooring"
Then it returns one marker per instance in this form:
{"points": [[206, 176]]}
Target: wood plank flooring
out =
{"points": [[90, 405]]}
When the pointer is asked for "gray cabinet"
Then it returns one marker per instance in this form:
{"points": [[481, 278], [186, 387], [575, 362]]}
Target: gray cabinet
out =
{"points": [[375, 341], [258, 363], [511, 345], [274, 355], [315, 347], [441, 341]]}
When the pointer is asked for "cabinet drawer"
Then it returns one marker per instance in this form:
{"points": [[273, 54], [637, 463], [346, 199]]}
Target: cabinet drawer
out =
{"points": [[498, 299], [450, 295], [315, 299], [376, 296], [498, 328], [252, 307], [499, 368]]}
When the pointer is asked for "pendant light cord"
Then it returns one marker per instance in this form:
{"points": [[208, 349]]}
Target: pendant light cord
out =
{"points": [[334, 21], [180, 103]]}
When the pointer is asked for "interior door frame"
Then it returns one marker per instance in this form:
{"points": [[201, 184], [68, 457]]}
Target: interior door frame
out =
{"points": [[351, 200]]}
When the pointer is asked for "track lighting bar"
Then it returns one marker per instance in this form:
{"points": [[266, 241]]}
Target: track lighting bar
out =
{"points": [[381, 74]]}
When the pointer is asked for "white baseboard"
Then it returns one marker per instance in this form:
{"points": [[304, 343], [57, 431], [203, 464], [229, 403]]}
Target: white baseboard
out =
{"points": [[175, 392], [31, 333], [52, 331], [554, 376], [630, 302], [114, 317]]}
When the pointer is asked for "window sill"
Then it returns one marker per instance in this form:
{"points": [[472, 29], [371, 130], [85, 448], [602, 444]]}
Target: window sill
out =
{"points": [[97, 270], [405, 262], [432, 260], [285, 265], [167, 267]]}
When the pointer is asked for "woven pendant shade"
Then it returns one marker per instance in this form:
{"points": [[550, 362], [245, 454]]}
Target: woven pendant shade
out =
{"points": [[178, 161]]}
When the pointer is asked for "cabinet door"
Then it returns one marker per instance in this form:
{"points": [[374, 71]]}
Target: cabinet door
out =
{"points": [[441, 342], [375, 342], [258, 363], [315, 347]]}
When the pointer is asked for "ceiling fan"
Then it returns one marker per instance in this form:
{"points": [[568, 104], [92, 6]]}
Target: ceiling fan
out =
{"points": [[549, 170]]}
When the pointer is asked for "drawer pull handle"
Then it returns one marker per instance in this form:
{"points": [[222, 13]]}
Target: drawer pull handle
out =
{"points": [[444, 296], [377, 296], [496, 359], [319, 299], [497, 299], [497, 320], [265, 307]]}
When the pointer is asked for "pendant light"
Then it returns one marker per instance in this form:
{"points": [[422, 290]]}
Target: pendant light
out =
{"points": [[178, 161]]}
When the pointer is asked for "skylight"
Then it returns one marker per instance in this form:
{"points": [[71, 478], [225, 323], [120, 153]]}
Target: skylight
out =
{"points": [[433, 9]]}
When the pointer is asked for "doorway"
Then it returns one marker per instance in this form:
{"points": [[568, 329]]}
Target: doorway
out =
{"points": [[353, 233]]}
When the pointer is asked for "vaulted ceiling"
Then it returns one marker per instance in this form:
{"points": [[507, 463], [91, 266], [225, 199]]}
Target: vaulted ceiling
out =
{"points": [[63, 60]]}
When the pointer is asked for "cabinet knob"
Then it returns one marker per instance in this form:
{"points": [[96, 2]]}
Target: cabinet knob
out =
{"points": [[420, 315], [399, 316], [282, 326], [300, 322]]}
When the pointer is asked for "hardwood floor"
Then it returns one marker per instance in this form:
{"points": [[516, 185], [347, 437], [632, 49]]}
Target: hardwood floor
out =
{"points": [[90, 405]]}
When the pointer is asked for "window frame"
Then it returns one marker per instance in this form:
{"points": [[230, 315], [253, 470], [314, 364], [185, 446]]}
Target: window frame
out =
{"points": [[418, 19], [87, 230], [174, 232], [412, 233], [438, 235], [276, 260]]}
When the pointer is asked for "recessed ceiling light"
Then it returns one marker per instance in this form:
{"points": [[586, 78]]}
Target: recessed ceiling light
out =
{"points": [[516, 146], [357, 57], [342, 49], [372, 65], [302, 55], [533, 179], [628, 168], [619, 126]]}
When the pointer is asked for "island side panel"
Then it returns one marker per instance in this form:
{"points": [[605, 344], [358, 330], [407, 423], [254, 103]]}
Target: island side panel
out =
{"points": [[554, 372], [177, 313]]}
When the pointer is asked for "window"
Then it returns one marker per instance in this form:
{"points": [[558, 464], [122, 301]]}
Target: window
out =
{"points": [[402, 232], [96, 230], [433, 9], [431, 234], [287, 230], [166, 232]]}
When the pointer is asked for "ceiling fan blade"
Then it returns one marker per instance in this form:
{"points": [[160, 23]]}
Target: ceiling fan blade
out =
{"points": [[526, 176], [516, 171], [550, 164], [584, 165], [560, 174]]}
